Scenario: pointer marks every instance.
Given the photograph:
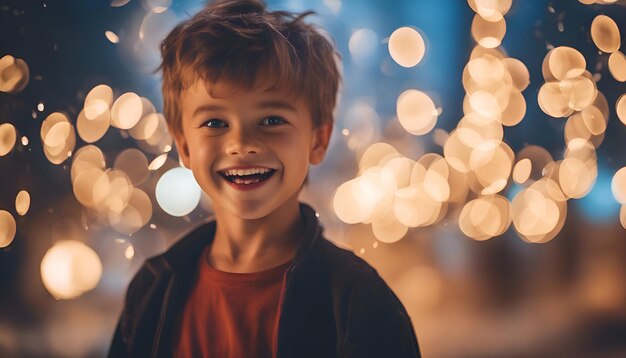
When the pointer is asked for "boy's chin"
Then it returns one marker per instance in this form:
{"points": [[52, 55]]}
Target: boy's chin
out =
{"points": [[252, 210]]}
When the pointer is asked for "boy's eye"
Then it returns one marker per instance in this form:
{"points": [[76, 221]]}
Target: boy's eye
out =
{"points": [[215, 123], [273, 121]]}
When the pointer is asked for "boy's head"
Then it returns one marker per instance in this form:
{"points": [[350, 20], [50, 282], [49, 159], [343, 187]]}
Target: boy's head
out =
{"points": [[245, 91]]}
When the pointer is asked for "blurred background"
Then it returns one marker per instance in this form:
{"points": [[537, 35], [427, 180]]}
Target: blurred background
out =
{"points": [[476, 162]]}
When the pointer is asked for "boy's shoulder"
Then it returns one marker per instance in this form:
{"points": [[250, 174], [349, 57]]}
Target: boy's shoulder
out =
{"points": [[341, 260], [345, 271]]}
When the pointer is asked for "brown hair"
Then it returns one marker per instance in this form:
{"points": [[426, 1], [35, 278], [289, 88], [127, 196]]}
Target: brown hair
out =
{"points": [[234, 40]]}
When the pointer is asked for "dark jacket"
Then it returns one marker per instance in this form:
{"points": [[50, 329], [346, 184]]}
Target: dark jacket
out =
{"points": [[332, 304]]}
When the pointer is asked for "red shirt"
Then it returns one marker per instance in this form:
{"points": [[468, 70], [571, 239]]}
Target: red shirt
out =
{"points": [[231, 314]]}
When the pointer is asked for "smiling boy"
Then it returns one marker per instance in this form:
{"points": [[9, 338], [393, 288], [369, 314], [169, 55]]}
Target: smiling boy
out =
{"points": [[249, 96]]}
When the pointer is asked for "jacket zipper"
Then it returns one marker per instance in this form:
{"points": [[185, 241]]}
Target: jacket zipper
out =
{"points": [[283, 292], [281, 300], [156, 346]]}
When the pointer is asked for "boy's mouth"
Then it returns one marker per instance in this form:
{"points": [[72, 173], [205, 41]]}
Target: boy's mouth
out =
{"points": [[246, 176]]}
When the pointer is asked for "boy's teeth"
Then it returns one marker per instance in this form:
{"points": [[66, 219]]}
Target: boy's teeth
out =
{"points": [[241, 172], [246, 181]]}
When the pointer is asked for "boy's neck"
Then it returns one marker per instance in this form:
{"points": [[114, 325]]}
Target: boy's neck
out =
{"points": [[242, 245]]}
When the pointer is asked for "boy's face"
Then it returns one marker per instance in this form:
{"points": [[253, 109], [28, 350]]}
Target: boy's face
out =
{"points": [[233, 129]]}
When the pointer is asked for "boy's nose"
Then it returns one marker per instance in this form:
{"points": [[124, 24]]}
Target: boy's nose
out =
{"points": [[242, 143]]}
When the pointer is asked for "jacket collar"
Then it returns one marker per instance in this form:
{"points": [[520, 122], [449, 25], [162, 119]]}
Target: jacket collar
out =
{"points": [[183, 256]]}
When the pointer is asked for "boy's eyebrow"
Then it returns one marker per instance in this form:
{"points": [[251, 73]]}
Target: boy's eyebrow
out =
{"points": [[277, 104], [207, 108], [271, 104]]}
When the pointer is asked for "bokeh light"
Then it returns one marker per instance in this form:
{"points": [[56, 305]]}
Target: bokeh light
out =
{"points": [[617, 66], [406, 46], [605, 33], [112, 36], [58, 137], [416, 112], [618, 186], [177, 192], [487, 33], [8, 135], [126, 111], [14, 74], [22, 202], [620, 108], [69, 269], [8, 228]]}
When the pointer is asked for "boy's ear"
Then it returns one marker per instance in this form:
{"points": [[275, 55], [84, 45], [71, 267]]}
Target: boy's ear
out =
{"points": [[321, 138], [183, 149]]}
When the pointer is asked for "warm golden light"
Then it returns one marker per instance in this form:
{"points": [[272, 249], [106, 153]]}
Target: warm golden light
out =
{"points": [[473, 130], [7, 228], [515, 110], [406, 46], [98, 101], [488, 34], [388, 229], [617, 66], [373, 193], [374, 154], [22, 202], [605, 33], [485, 104], [157, 6], [486, 70], [146, 127], [553, 101], [457, 153], [92, 130], [594, 120], [157, 162], [399, 169], [14, 74], [618, 186], [344, 204], [91, 186], [491, 165], [157, 137], [126, 111], [416, 112], [120, 190], [565, 63], [111, 36], [69, 269], [87, 157], [577, 177], [8, 136], [518, 71], [539, 157], [485, 217], [522, 170], [490, 10], [135, 215], [580, 92], [119, 3], [58, 136], [620, 108], [129, 253], [134, 163], [539, 211], [413, 207]]}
